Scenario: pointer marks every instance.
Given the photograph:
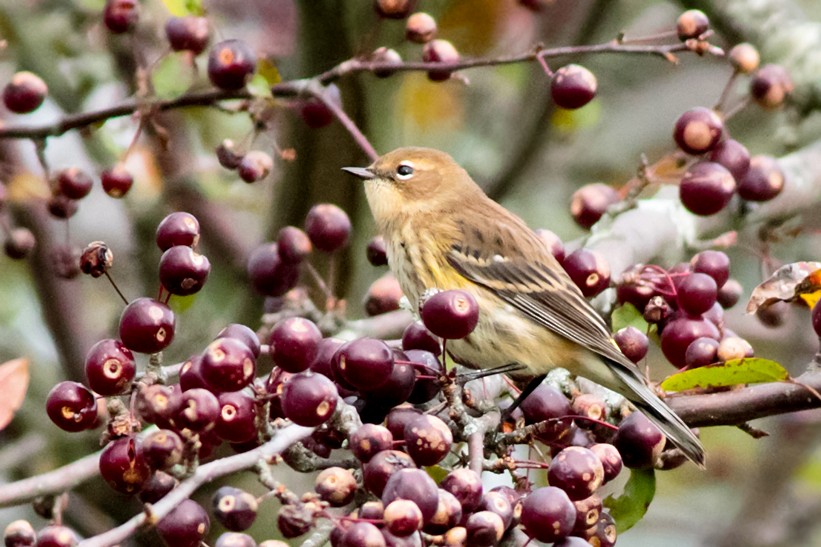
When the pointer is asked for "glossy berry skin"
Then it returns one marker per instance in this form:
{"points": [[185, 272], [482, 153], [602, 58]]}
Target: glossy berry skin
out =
{"points": [[157, 487], [590, 202], [414, 485], [701, 352], [632, 342], [61, 206], [294, 343], [123, 466], [420, 28], [548, 514], [243, 333], [234, 508], [692, 24], [764, 180], [24, 93], [450, 314], [730, 293], [639, 442], [383, 295], [548, 403], [577, 471], [185, 526], [162, 449], [117, 181], [428, 440], [610, 459], [439, 51], [147, 326], [71, 406], [716, 264], [74, 183], [189, 33], [376, 252], [499, 503], [573, 86], [228, 365], [368, 440], [57, 536], [381, 467], [328, 226], [235, 539], [697, 293], [237, 417], [733, 155], [771, 86], [231, 63], [198, 411], [365, 363], [268, 273], [466, 485], [336, 485], [744, 57], [362, 534], [109, 367], [121, 16], [393, 9], [309, 399], [316, 113], [395, 388], [698, 130], [19, 533], [588, 270], [417, 337], [183, 272], [679, 333], [402, 517], [294, 244], [178, 228], [254, 166], [706, 188]]}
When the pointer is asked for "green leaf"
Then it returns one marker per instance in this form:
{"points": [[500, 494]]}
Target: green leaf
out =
{"points": [[180, 8], [627, 315], [631, 506], [752, 370], [437, 473], [171, 77]]}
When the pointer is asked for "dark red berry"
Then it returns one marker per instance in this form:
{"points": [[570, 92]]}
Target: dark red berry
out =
{"points": [[588, 270], [269, 274], [701, 352], [548, 514], [61, 206], [237, 417], [185, 526], [393, 9], [235, 539], [254, 166], [365, 363], [466, 485], [189, 33], [573, 86], [484, 529], [147, 326], [590, 202], [764, 179], [396, 388], [123, 466], [294, 344], [24, 93], [588, 511], [733, 155], [178, 228], [415, 485], [234, 508], [716, 264], [19, 533], [610, 458], [692, 24], [632, 342], [427, 439], [553, 242], [450, 314], [226, 155], [381, 467], [198, 410], [639, 441], [771, 86], [19, 243], [109, 367], [428, 369], [294, 244], [362, 534], [698, 130], [547, 403], [157, 487], [183, 271], [309, 399], [243, 333], [328, 226], [231, 63], [117, 181], [57, 536], [439, 51], [162, 449], [74, 183], [316, 113], [588, 405], [369, 439], [228, 364], [420, 28], [577, 471], [71, 406], [387, 56], [157, 404], [499, 503], [121, 16], [376, 252], [417, 336], [706, 188], [402, 517], [696, 293], [336, 486], [680, 333], [730, 293]]}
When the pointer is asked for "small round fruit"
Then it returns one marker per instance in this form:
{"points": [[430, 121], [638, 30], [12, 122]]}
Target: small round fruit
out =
{"points": [[24, 93], [234, 508], [74, 183], [414, 485], [57, 536], [692, 24], [365, 363], [733, 155], [183, 271], [386, 56], [309, 399], [369, 439], [123, 466], [121, 16], [117, 181], [639, 442], [381, 467], [716, 264], [147, 326], [19, 533], [71, 406], [110, 367], [228, 364], [764, 179], [733, 347], [730, 293], [697, 293], [316, 113], [231, 63], [573, 86], [393, 9], [383, 296], [162, 449], [548, 404], [185, 526], [679, 333], [771, 86], [450, 314], [294, 244], [706, 188], [439, 51], [189, 33], [61, 206], [484, 529], [96, 259], [254, 166], [328, 226], [590, 202], [243, 333], [268, 273], [548, 514], [428, 440], [336, 485], [698, 130], [632, 342], [466, 485], [610, 458], [237, 417], [376, 252], [588, 270], [420, 28], [744, 57], [198, 410], [19, 243], [577, 471], [294, 343], [178, 228], [701, 352]]}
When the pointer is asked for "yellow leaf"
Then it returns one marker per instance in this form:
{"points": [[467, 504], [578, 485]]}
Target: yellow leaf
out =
{"points": [[753, 370], [430, 104], [14, 381]]}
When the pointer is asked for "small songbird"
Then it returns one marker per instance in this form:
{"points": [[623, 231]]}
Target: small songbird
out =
{"points": [[443, 232]]}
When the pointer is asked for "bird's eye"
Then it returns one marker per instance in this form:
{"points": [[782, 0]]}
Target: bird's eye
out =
{"points": [[404, 171]]}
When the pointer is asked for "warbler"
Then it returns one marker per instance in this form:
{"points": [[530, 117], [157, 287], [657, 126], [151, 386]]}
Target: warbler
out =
{"points": [[443, 232]]}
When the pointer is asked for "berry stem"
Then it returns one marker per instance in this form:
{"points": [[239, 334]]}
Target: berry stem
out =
{"points": [[116, 288]]}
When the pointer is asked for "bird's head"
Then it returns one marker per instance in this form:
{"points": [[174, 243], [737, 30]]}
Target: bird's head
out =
{"points": [[410, 180]]}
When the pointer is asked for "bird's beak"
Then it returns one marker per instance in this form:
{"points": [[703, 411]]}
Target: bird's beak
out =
{"points": [[364, 173]]}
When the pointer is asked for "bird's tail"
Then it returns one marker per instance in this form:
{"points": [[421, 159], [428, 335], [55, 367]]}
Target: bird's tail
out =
{"points": [[660, 414]]}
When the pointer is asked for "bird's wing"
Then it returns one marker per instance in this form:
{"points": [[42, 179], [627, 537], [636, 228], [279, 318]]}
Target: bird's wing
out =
{"points": [[525, 275]]}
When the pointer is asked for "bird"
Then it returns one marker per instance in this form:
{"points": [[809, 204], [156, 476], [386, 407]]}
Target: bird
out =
{"points": [[443, 232]]}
